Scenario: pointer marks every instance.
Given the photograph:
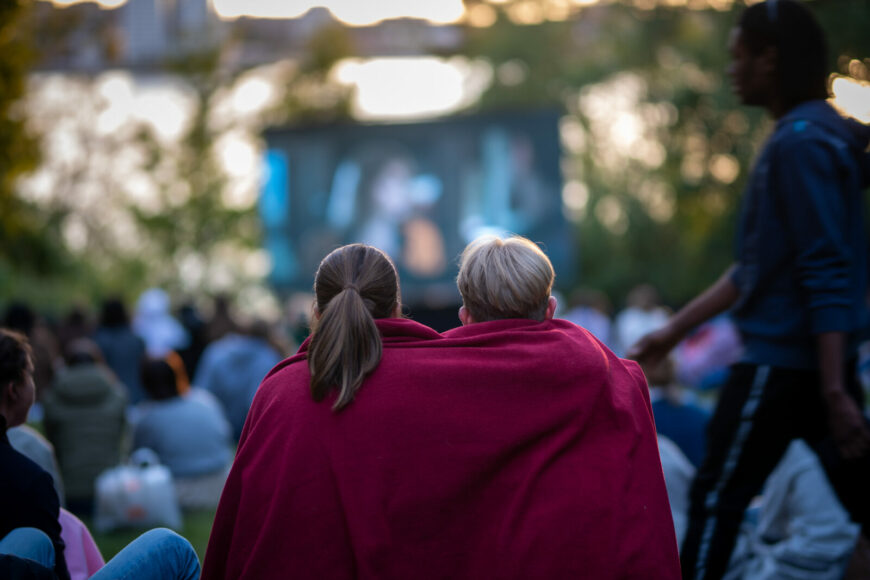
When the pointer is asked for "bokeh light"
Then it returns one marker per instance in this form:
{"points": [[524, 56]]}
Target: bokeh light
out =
{"points": [[852, 97], [411, 87]]}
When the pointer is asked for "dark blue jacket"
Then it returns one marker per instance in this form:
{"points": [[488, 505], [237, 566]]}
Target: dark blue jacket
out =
{"points": [[28, 499], [802, 248]]}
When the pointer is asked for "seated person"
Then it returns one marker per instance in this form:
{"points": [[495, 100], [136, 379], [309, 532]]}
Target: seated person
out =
{"points": [[122, 349], [797, 528], [677, 416], [31, 535], [679, 473], [27, 496], [158, 554], [189, 433], [85, 420], [233, 366], [516, 446], [591, 310], [30, 443], [83, 557], [26, 554], [702, 358]]}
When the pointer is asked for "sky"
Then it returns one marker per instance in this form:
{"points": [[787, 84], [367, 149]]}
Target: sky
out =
{"points": [[352, 12], [368, 12]]}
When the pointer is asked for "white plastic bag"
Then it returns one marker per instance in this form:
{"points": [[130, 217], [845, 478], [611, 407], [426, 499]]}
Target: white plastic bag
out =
{"points": [[137, 494]]}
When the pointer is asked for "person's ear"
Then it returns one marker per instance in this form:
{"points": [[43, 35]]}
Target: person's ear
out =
{"points": [[551, 308], [12, 392], [465, 316], [315, 312]]}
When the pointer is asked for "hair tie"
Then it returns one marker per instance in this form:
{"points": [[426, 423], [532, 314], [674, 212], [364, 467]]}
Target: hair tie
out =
{"points": [[351, 286]]}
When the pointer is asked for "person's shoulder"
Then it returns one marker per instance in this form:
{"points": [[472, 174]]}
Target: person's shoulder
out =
{"points": [[811, 124], [290, 373], [25, 436], [405, 331], [23, 473]]}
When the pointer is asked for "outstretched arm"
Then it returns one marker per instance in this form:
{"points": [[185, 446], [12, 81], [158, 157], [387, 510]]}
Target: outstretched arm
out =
{"points": [[653, 347]]}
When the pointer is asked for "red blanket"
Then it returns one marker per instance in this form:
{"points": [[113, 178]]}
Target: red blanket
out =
{"points": [[505, 449]]}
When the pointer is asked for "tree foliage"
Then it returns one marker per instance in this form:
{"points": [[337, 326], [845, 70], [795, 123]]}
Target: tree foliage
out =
{"points": [[130, 209], [658, 206], [656, 149], [23, 245]]}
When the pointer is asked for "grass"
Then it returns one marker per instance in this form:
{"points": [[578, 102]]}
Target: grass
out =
{"points": [[196, 528]]}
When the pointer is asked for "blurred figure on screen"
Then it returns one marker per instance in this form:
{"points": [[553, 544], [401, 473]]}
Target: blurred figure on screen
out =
{"points": [[381, 198]]}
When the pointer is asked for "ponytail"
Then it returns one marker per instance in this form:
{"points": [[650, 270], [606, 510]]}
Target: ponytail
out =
{"points": [[354, 285], [345, 347]]}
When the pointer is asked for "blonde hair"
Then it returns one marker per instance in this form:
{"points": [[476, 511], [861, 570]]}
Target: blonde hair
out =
{"points": [[505, 278], [353, 286]]}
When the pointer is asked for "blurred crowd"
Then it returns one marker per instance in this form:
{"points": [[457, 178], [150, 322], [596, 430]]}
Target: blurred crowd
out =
{"points": [[180, 383], [797, 520], [171, 380]]}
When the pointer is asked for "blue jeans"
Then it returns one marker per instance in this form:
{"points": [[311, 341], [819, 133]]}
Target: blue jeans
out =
{"points": [[29, 543], [158, 554]]}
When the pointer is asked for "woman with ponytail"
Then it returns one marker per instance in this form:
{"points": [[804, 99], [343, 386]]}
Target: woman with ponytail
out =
{"points": [[354, 285]]}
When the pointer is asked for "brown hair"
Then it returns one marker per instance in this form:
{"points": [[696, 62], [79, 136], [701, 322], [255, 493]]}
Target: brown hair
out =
{"points": [[354, 285], [509, 278], [16, 357]]}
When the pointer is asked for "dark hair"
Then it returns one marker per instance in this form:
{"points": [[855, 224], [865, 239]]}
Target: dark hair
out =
{"points": [[354, 285], [802, 51], [159, 379], [82, 351], [16, 357], [113, 314], [19, 316]]}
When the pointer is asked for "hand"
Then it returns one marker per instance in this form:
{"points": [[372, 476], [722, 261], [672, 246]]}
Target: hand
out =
{"points": [[848, 427], [652, 348]]}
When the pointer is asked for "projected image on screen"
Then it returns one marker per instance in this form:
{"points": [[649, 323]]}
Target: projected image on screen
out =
{"points": [[380, 197], [420, 192]]}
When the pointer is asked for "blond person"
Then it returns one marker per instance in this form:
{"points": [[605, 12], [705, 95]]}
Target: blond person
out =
{"points": [[516, 446]]}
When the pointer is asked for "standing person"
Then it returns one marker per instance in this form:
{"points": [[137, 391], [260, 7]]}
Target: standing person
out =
{"points": [[797, 290], [517, 446]]}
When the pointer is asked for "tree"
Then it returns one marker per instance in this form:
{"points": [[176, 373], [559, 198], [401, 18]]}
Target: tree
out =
{"points": [[130, 207], [23, 245]]}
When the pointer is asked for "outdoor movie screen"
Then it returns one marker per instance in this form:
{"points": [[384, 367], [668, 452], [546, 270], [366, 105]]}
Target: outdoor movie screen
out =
{"points": [[418, 191]]}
